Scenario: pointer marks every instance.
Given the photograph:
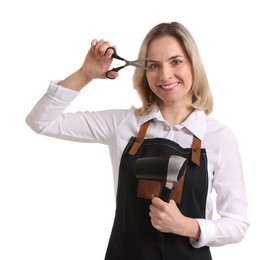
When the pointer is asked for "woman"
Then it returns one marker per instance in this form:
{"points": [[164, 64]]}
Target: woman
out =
{"points": [[173, 120]]}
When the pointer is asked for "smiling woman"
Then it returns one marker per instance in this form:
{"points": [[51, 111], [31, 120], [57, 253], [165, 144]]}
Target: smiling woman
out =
{"points": [[174, 120]]}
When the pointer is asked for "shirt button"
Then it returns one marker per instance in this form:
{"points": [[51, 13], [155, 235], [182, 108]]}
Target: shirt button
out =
{"points": [[167, 128]]}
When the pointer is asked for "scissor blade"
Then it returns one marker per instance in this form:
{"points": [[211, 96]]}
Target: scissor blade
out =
{"points": [[139, 63]]}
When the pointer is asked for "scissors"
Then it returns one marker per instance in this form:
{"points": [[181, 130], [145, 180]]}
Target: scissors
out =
{"points": [[137, 63]]}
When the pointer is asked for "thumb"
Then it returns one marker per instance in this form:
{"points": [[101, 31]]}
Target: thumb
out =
{"points": [[158, 202], [172, 202], [112, 74]]}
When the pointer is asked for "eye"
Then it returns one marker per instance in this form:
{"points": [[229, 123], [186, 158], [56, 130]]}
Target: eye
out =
{"points": [[176, 61], [152, 66]]}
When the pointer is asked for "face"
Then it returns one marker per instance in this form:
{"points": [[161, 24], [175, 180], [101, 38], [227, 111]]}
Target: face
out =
{"points": [[169, 72]]}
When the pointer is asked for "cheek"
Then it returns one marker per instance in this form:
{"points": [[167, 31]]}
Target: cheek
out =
{"points": [[187, 77], [150, 80]]}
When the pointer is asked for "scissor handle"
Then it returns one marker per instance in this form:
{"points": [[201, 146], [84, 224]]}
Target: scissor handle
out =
{"points": [[114, 69], [115, 55]]}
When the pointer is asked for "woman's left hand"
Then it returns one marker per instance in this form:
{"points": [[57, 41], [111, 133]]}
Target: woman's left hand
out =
{"points": [[165, 217]]}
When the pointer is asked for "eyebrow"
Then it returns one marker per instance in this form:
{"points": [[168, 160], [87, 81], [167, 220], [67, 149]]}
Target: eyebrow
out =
{"points": [[171, 58], [176, 56]]}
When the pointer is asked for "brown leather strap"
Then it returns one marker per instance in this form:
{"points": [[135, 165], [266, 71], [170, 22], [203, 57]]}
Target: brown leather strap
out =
{"points": [[196, 144], [140, 138], [196, 147]]}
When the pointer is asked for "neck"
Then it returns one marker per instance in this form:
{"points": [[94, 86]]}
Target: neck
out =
{"points": [[176, 115]]}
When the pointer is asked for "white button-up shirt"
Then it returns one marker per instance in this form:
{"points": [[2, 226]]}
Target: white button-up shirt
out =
{"points": [[114, 128]]}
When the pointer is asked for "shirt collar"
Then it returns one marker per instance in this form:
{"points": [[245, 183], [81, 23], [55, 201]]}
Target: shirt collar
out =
{"points": [[196, 122], [155, 113]]}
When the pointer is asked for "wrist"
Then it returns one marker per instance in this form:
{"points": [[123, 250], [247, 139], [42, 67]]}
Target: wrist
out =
{"points": [[76, 81], [84, 75], [189, 227], [193, 229]]}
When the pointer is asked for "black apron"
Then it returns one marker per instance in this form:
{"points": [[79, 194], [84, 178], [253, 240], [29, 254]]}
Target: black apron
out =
{"points": [[133, 237]]}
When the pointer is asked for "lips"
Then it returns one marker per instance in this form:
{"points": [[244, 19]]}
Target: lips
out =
{"points": [[169, 86]]}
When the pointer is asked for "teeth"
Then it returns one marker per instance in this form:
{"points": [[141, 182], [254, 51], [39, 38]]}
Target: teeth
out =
{"points": [[169, 86]]}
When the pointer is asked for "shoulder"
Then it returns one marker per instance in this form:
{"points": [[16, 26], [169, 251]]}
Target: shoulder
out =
{"points": [[215, 127], [218, 134], [119, 117]]}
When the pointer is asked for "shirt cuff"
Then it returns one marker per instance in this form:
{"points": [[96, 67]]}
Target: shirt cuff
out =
{"points": [[61, 94], [207, 233]]}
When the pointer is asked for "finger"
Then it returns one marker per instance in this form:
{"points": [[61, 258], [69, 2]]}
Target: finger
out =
{"points": [[109, 52], [93, 43], [156, 223], [154, 211], [113, 74], [96, 44], [102, 46], [158, 202], [172, 202], [152, 208], [114, 46]]}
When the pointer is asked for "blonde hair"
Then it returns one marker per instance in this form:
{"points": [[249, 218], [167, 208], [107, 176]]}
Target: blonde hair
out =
{"points": [[200, 92]]}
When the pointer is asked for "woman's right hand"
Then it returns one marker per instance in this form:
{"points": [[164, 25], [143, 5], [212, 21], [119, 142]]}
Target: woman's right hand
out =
{"points": [[95, 66], [98, 60]]}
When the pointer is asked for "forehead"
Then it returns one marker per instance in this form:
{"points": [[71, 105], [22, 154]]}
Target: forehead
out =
{"points": [[165, 45]]}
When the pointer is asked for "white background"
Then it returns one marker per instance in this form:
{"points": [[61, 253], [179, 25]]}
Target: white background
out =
{"points": [[57, 197]]}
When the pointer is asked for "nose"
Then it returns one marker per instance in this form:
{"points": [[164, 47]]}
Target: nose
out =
{"points": [[165, 72]]}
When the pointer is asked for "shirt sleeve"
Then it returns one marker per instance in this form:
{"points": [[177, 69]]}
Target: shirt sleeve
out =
{"points": [[231, 203], [48, 118]]}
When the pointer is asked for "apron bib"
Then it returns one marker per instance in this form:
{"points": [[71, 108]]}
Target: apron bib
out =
{"points": [[133, 237]]}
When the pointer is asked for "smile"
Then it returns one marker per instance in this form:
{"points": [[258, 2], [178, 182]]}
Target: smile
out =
{"points": [[171, 86]]}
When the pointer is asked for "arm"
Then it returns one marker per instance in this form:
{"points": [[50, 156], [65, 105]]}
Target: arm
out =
{"points": [[228, 182], [231, 202], [47, 117]]}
